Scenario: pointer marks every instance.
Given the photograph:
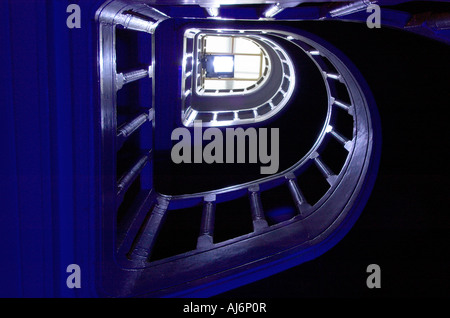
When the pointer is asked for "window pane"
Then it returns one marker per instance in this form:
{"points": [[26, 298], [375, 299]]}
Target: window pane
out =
{"points": [[247, 66], [218, 44], [223, 64], [245, 46]]}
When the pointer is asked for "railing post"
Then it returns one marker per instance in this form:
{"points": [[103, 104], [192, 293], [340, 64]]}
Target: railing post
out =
{"points": [[259, 220], [299, 199], [143, 246], [324, 169], [205, 238]]}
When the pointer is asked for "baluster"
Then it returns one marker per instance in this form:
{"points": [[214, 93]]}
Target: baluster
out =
{"points": [[126, 181], [341, 139], [145, 241], [132, 76], [324, 169], [259, 220], [299, 199], [205, 238]]}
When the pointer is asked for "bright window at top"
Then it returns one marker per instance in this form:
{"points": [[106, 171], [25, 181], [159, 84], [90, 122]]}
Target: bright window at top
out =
{"points": [[231, 62]]}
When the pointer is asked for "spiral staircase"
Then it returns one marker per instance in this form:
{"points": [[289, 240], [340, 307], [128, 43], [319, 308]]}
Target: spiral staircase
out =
{"points": [[195, 238]]}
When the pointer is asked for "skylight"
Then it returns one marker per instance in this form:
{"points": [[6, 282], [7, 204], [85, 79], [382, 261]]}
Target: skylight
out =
{"points": [[238, 62]]}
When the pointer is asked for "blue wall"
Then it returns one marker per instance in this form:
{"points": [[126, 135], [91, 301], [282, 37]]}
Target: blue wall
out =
{"points": [[48, 192]]}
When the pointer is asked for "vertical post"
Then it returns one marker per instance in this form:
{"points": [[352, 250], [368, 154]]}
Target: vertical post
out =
{"points": [[127, 179], [145, 241], [324, 169], [342, 140], [299, 199], [108, 104], [205, 238], [259, 220]]}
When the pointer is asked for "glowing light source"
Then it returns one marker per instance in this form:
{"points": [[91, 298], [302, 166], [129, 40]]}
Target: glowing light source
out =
{"points": [[213, 11], [273, 10], [223, 64]]}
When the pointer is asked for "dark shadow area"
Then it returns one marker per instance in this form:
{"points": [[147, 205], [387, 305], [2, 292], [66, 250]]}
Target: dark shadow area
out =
{"points": [[278, 205], [178, 234], [233, 219], [405, 227]]}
